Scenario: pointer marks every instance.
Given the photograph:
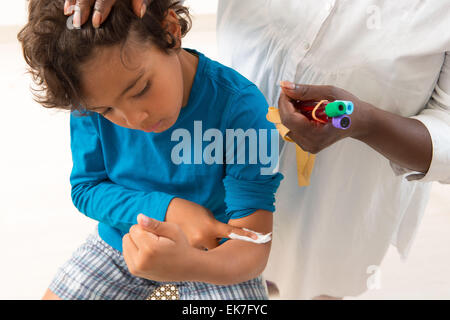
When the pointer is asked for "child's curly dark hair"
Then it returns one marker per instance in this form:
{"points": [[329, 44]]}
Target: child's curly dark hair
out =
{"points": [[54, 52]]}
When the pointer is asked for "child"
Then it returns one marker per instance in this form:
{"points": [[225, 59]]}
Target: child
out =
{"points": [[134, 94]]}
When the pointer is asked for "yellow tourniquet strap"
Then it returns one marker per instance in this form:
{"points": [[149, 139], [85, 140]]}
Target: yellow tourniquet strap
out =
{"points": [[305, 160]]}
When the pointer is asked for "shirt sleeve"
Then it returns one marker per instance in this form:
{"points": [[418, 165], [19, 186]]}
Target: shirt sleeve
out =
{"points": [[251, 179], [94, 194], [436, 118]]}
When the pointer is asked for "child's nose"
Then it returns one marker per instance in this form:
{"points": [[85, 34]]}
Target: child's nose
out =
{"points": [[135, 118]]}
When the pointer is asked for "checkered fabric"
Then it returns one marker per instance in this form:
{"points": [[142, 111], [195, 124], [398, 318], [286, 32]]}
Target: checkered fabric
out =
{"points": [[96, 271]]}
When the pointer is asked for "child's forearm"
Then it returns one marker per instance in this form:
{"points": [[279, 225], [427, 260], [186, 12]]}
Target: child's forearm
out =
{"points": [[235, 261], [160, 251]]}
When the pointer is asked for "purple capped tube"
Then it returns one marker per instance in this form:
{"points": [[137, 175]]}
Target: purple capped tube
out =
{"points": [[341, 122]]}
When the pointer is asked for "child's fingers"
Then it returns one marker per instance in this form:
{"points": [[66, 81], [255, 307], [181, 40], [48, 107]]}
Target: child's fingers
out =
{"points": [[226, 230], [163, 229], [260, 238], [130, 251]]}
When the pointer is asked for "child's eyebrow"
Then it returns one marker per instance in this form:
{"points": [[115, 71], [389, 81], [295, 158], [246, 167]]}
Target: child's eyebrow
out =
{"points": [[132, 84], [89, 108]]}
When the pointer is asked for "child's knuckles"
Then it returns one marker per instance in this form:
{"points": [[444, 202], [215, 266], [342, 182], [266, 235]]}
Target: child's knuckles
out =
{"points": [[196, 240], [147, 251], [135, 230], [143, 264]]}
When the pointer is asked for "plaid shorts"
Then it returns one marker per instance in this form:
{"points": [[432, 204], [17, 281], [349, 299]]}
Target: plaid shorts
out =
{"points": [[96, 271]]}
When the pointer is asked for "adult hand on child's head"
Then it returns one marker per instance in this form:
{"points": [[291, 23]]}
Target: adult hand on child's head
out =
{"points": [[82, 9], [310, 135]]}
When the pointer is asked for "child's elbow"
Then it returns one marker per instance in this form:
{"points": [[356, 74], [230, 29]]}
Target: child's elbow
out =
{"points": [[251, 265], [80, 195], [77, 195]]}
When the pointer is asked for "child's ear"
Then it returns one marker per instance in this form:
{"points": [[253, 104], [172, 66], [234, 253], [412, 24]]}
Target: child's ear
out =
{"points": [[173, 26]]}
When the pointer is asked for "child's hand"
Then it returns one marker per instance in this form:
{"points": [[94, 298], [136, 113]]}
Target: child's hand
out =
{"points": [[158, 251], [102, 9], [198, 223], [311, 136]]}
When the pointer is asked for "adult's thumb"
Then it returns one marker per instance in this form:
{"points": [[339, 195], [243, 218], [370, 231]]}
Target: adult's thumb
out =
{"points": [[305, 92]]}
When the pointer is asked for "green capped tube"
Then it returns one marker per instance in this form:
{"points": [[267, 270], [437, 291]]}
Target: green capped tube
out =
{"points": [[335, 109]]}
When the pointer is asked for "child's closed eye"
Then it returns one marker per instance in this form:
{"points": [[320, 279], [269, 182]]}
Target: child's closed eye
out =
{"points": [[140, 94], [106, 111]]}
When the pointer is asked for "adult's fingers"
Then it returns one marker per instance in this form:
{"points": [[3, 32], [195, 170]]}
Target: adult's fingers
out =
{"points": [[102, 8], [305, 92], [69, 6], [290, 117], [82, 11], [140, 7]]}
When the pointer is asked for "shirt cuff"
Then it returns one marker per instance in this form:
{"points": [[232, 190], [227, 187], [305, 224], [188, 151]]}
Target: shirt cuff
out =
{"points": [[437, 124], [159, 211], [244, 197]]}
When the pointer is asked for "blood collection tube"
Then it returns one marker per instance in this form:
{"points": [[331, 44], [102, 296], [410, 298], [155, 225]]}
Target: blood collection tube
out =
{"points": [[325, 111]]}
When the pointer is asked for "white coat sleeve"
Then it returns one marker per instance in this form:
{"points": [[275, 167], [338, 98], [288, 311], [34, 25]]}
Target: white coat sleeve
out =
{"points": [[436, 118]]}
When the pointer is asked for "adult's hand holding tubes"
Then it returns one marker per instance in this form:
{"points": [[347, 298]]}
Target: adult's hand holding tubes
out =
{"points": [[313, 136], [403, 140]]}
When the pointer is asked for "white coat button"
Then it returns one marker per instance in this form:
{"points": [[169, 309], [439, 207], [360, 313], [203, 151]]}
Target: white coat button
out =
{"points": [[307, 46]]}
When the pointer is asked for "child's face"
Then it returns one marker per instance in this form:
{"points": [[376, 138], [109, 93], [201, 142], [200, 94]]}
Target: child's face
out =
{"points": [[145, 94]]}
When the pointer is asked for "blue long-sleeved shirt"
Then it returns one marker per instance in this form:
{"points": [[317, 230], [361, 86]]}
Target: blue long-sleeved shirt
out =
{"points": [[118, 172]]}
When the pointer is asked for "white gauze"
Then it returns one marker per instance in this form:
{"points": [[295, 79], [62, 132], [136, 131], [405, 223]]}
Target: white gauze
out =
{"points": [[262, 238]]}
